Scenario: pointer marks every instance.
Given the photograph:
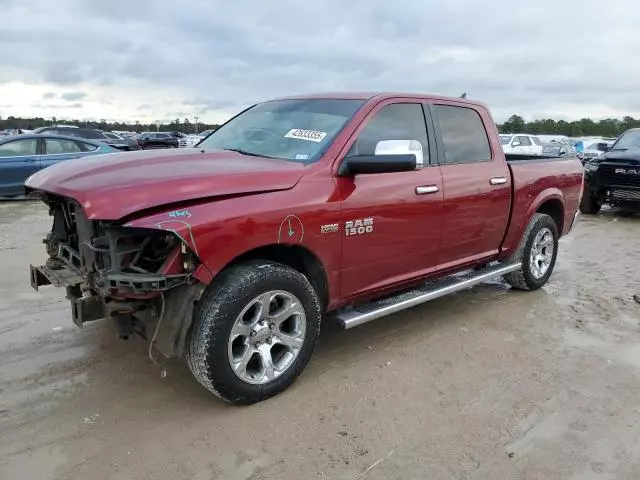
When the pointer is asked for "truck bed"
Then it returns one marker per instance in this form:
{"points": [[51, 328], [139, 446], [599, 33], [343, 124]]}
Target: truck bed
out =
{"points": [[561, 180]]}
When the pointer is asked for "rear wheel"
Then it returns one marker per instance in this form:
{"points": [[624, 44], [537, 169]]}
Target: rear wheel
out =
{"points": [[590, 205], [253, 331], [537, 254]]}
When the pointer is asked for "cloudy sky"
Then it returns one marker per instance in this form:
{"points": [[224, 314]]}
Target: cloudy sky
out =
{"points": [[161, 59]]}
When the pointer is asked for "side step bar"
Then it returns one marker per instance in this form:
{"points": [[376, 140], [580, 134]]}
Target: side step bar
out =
{"points": [[429, 291]]}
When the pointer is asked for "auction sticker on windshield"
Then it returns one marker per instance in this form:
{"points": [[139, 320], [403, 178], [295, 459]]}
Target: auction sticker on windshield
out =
{"points": [[311, 135]]}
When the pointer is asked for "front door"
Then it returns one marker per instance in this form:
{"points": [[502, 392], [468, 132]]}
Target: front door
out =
{"points": [[390, 222], [477, 184], [18, 161]]}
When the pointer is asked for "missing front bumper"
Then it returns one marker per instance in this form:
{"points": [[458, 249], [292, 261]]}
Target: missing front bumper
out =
{"points": [[62, 277]]}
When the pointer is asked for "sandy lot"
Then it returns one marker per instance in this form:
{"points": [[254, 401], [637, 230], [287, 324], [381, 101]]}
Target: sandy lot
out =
{"points": [[486, 384]]}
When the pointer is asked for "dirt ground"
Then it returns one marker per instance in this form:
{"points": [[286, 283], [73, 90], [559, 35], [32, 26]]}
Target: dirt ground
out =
{"points": [[486, 384]]}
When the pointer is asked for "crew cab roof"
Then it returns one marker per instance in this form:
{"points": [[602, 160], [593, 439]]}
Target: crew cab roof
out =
{"points": [[378, 96]]}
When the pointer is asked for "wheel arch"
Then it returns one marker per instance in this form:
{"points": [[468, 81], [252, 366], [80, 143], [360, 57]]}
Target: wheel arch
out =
{"points": [[551, 202], [554, 207], [297, 257]]}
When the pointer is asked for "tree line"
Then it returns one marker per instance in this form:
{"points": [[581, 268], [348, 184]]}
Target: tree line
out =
{"points": [[184, 126], [609, 127]]}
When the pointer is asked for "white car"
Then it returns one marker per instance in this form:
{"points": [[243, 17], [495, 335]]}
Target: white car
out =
{"points": [[521, 144], [591, 149], [189, 141]]}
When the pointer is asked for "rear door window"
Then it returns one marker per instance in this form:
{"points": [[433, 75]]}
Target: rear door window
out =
{"points": [[55, 146], [524, 141], [463, 134]]}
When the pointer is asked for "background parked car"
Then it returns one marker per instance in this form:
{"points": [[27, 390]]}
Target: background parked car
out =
{"points": [[521, 144], [88, 134], [157, 140], [176, 134], [595, 148], [23, 155], [189, 141], [559, 148], [205, 133], [132, 143]]}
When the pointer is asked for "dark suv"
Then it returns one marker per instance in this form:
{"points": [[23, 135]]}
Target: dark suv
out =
{"points": [[614, 176], [112, 140], [150, 140]]}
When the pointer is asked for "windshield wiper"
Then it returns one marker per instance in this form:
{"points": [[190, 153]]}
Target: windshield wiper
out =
{"points": [[244, 152]]}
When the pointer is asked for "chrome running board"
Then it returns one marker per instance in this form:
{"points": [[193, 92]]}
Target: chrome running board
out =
{"points": [[429, 291]]}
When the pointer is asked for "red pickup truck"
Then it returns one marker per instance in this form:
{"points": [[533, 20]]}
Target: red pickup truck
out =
{"points": [[346, 207]]}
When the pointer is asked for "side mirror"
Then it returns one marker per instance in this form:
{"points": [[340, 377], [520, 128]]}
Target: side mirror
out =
{"points": [[390, 156], [602, 147], [515, 144], [364, 164], [401, 147]]}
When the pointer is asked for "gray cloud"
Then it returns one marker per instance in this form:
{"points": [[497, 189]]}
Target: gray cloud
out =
{"points": [[62, 72], [49, 95], [73, 96], [57, 106], [209, 56]]}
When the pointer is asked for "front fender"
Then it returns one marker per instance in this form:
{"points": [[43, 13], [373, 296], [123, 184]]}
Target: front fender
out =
{"points": [[219, 232]]}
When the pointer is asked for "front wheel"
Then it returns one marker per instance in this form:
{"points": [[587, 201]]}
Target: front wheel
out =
{"points": [[253, 331], [589, 204], [536, 253]]}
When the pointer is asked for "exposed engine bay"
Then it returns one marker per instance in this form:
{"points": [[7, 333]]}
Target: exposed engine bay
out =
{"points": [[113, 271]]}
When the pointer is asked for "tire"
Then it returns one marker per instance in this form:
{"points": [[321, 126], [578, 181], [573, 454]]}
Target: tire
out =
{"points": [[589, 205], [233, 303], [531, 275]]}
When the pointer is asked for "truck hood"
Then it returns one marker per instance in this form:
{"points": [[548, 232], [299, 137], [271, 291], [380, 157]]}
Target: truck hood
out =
{"points": [[630, 156], [113, 186]]}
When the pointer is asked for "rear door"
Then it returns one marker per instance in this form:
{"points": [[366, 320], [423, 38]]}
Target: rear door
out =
{"points": [[153, 140], [476, 181], [18, 161], [526, 145], [164, 140], [59, 149], [390, 222], [536, 145]]}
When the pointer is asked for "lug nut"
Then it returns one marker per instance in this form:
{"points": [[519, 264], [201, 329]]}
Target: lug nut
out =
{"points": [[253, 333], [272, 325]]}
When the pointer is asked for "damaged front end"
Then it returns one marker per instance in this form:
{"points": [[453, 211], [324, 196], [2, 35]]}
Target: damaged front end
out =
{"points": [[135, 275]]}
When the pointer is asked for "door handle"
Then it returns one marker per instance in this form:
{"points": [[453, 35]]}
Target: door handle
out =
{"points": [[498, 180], [426, 189], [30, 160]]}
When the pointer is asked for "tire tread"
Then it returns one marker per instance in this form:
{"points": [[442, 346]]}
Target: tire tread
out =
{"points": [[518, 279], [209, 322]]}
